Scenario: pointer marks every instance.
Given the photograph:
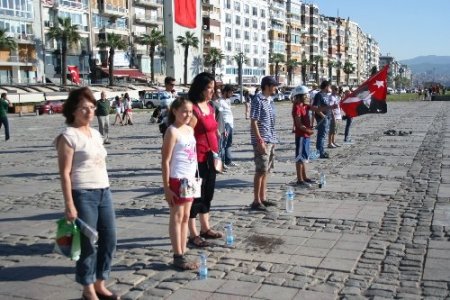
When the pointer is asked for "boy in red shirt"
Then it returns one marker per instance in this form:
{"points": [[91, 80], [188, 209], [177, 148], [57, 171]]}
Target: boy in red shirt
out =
{"points": [[303, 131]]}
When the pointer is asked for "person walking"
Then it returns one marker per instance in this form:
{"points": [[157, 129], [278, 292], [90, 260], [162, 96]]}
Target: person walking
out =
{"points": [[102, 114], [263, 139], [85, 187], [303, 130], [4, 105], [227, 136], [128, 111], [348, 123], [248, 100], [119, 110], [179, 165], [205, 131]]}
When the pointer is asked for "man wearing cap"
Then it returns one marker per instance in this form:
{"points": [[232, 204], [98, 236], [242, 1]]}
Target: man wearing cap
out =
{"points": [[263, 139]]}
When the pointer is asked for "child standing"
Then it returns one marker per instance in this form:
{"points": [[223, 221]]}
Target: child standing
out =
{"points": [[303, 131], [179, 165]]}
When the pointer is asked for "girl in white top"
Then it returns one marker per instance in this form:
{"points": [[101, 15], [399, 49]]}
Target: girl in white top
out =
{"points": [[179, 165]]}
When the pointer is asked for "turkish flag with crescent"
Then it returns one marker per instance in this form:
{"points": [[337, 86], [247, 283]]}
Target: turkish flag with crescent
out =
{"points": [[369, 97], [74, 74], [186, 13]]}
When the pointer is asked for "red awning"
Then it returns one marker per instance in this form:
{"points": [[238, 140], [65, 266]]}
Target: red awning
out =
{"points": [[132, 73]]}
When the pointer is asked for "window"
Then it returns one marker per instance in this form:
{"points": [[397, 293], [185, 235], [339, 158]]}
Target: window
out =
{"points": [[255, 24], [247, 22], [227, 4], [255, 36], [227, 31], [237, 6], [246, 35], [229, 60], [227, 18], [247, 48], [255, 51], [255, 11], [263, 37], [228, 46], [263, 25], [237, 33], [237, 47], [262, 12], [238, 20], [246, 8]]}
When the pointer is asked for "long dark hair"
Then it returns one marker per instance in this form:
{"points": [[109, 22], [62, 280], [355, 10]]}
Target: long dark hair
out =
{"points": [[74, 99], [198, 85], [176, 104]]}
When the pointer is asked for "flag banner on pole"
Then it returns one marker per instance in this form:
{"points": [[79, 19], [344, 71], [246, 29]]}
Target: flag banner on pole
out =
{"points": [[369, 97], [186, 13], [74, 74]]}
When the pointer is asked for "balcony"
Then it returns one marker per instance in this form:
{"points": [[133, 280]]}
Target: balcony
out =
{"points": [[112, 10], [150, 3], [147, 20], [72, 4], [115, 28], [18, 61]]}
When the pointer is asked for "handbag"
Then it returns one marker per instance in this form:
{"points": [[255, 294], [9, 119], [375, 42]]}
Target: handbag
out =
{"points": [[191, 187], [67, 240], [212, 158]]}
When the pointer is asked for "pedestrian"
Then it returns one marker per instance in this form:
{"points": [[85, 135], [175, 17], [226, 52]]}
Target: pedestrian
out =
{"points": [[263, 139], [247, 100], [166, 97], [4, 105], [227, 136], [119, 109], [102, 114], [322, 116], [303, 130], [348, 123], [215, 101], [128, 110], [85, 187], [179, 165], [335, 117], [205, 131]]}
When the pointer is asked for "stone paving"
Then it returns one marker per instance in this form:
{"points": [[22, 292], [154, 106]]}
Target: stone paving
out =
{"points": [[379, 229]]}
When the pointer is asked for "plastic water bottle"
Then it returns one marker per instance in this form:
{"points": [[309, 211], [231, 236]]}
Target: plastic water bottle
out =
{"points": [[203, 268], [313, 155], [87, 230], [323, 180], [229, 237], [290, 199]]}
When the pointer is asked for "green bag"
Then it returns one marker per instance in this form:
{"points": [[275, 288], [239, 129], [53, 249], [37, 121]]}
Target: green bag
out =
{"points": [[67, 241]]}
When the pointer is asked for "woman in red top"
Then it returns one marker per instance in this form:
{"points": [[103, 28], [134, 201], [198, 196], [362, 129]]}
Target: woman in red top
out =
{"points": [[205, 130]]}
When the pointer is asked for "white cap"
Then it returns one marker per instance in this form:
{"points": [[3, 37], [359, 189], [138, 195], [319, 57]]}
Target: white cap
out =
{"points": [[300, 90]]}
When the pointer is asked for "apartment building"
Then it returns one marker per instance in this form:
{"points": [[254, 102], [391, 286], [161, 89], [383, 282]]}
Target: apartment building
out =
{"points": [[244, 30], [277, 36], [294, 39], [21, 21]]}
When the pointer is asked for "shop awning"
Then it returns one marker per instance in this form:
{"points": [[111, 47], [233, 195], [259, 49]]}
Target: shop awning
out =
{"points": [[131, 73]]}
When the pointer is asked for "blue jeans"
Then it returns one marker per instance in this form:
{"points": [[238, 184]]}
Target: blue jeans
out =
{"points": [[225, 145], [322, 129], [4, 122], [96, 209]]}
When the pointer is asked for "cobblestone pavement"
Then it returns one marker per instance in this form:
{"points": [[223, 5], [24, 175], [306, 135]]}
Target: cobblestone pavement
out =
{"points": [[379, 229]]}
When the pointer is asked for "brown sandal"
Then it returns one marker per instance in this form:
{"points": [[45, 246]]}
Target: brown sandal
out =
{"points": [[210, 234], [197, 242], [182, 263]]}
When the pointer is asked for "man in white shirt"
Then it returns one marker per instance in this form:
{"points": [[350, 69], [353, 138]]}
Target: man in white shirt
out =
{"points": [[227, 114]]}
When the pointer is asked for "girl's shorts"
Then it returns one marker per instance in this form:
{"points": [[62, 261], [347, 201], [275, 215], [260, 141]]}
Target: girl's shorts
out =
{"points": [[175, 184]]}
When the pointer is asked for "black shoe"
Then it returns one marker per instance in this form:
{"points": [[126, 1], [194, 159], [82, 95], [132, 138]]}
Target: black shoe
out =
{"points": [[107, 142], [310, 181], [258, 206], [325, 155], [268, 203]]}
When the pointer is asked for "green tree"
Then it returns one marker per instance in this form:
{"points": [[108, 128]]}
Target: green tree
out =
{"points": [[213, 58], [240, 59], [348, 69], [7, 42], [291, 65], [331, 64], [152, 40], [317, 60], [113, 41], [304, 63], [68, 35], [277, 59], [188, 40], [338, 67]]}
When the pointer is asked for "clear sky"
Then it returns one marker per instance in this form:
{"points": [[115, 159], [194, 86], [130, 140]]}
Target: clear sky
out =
{"points": [[403, 28]]}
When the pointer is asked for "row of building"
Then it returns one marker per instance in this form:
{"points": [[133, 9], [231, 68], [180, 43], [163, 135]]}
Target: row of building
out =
{"points": [[257, 30]]}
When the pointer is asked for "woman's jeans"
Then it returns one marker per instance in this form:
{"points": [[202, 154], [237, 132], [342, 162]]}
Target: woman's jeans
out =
{"points": [[348, 123], [95, 207]]}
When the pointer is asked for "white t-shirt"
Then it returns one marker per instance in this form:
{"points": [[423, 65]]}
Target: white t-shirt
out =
{"points": [[227, 113], [183, 163], [89, 159], [335, 99]]}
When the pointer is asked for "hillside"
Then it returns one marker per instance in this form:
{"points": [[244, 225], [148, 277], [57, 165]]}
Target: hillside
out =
{"points": [[429, 68]]}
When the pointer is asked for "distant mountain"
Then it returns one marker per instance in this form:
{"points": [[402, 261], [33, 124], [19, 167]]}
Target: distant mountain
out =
{"points": [[429, 68]]}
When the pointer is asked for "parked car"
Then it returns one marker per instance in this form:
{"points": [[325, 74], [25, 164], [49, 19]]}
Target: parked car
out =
{"points": [[236, 98], [50, 107], [278, 97], [154, 99], [390, 90], [287, 96], [137, 103]]}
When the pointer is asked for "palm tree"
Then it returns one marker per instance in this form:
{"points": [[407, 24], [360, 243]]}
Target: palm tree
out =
{"points": [[7, 42], [348, 69], [113, 41], [304, 63], [213, 58], [291, 64], [188, 40], [68, 35], [276, 59], [152, 40], [338, 67], [317, 60], [240, 59], [331, 64]]}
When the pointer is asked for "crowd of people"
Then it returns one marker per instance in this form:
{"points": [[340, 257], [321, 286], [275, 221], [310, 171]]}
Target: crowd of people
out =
{"points": [[199, 132]]}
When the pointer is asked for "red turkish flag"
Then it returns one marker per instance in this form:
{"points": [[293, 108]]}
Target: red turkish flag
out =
{"points": [[74, 74], [369, 97], [186, 13]]}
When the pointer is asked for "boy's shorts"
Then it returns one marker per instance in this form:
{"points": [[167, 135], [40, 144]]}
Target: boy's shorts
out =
{"points": [[264, 162], [334, 126], [175, 184], [302, 149]]}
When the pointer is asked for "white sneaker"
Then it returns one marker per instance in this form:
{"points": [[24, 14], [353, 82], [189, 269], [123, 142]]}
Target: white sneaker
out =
{"points": [[233, 164]]}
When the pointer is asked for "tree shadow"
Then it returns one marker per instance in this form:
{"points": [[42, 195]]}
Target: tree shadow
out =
{"points": [[28, 175], [233, 183], [28, 273], [132, 212], [25, 249], [41, 217]]}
